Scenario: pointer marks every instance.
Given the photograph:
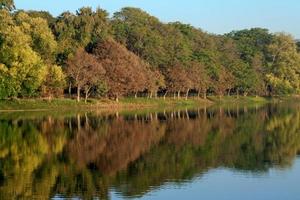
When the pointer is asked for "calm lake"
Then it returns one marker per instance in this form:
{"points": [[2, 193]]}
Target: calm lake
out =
{"points": [[235, 152]]}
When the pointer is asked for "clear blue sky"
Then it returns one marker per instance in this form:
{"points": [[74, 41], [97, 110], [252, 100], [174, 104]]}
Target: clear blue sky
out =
{"points": [[215, 16]]}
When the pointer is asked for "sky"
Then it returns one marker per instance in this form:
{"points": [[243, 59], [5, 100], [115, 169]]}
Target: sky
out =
{"points": [[213, 16]]}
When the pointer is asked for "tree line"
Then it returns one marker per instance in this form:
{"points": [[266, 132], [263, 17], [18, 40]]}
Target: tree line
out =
{"points": [[132, 53]]}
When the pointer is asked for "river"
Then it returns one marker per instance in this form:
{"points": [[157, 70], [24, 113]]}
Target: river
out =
{"points": [[227, 152]]}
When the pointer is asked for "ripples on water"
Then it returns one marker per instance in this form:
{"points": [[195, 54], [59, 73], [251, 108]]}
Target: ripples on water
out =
{"points": [[151, 155]]}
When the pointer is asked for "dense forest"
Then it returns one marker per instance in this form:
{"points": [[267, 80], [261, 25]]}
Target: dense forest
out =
{"points": [[131, 53]]}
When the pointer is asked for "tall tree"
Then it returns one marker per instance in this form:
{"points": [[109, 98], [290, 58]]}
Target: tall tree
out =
{"points": [[54, 83], [83, 29], [178, 80], [284, 66], [199, 78], [22, 69], [42, 38], [155, 82], [124, 70], [140, 33], [85, 71], [223, 82], [252, 41]]}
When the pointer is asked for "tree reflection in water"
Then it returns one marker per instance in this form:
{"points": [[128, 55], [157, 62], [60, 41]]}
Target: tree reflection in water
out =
{"points": [[87, 154]]}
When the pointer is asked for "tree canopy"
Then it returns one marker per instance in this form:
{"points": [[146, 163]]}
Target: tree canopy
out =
{"points": [[139, 54]]}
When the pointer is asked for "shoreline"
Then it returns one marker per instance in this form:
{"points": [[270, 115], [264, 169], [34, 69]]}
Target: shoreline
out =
{"points": [[40, 105]]}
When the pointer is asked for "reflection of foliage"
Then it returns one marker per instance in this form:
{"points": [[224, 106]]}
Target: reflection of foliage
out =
{"points": [[84, 156], [23, 148], [283, 138]]}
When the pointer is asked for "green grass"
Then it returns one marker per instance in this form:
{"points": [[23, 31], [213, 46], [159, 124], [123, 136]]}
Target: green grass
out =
{"points": [[39, 104], [131, 103], [160, 102], [69, 104], [240, 99]]}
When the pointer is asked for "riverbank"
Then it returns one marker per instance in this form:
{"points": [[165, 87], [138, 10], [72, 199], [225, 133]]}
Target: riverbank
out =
{"points": [[126, 103]]}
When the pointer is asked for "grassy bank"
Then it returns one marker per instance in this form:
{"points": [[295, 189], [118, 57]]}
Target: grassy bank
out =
{"points": [[129, 103], [240, 99], [125, 103]]}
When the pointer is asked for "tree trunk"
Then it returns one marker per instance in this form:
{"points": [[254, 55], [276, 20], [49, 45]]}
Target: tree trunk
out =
{"points": [[237, 94], [178, 94], [78, 93], [165, 95], [198, 94], [49, 98], [70, 89], [87, 91], [117, 98], [86, 97], [205, 96], [174, 95], [228, 93], [151, 94], [135, 95], [187, 94]]}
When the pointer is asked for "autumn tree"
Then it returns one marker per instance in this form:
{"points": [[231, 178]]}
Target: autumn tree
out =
{"points": [[178, 80], [222, 82], [124, 70], [85, 72], [155, 82], [139, 54], [199, 78]]}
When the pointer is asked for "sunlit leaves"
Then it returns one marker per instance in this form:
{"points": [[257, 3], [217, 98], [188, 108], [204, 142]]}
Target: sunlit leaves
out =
{"points": [[22, 68]]}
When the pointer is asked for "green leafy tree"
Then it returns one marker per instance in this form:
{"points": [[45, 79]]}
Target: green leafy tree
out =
{"points": [[141, 33], [42, 14], [42, 39], [22, 70], [284, 66], [54, 83], [252, 41], [83, 29]]}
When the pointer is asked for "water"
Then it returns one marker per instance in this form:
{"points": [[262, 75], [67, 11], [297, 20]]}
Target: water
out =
{"points": [[236, 152]]}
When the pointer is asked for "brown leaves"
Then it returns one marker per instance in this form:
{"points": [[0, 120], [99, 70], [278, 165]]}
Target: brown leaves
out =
{"points": [[125, 71], [84, 69]]}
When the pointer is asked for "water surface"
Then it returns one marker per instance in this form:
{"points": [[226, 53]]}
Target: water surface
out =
{"points": [[234, 152]]}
